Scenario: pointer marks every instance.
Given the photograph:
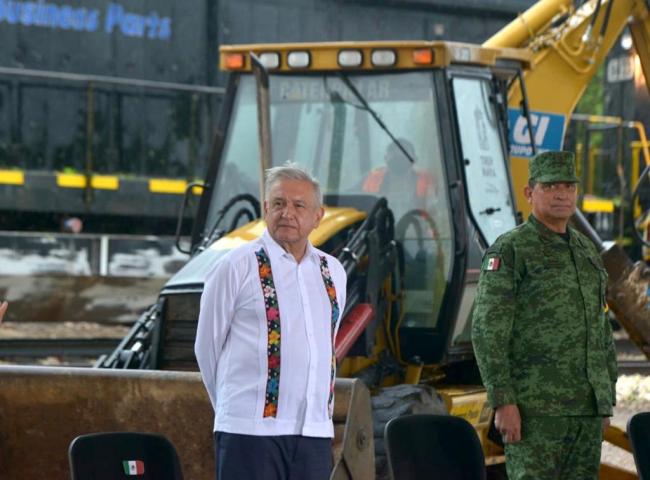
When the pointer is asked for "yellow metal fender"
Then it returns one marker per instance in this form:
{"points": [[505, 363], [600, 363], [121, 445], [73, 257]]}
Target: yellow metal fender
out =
{"points": [[334, 220]]}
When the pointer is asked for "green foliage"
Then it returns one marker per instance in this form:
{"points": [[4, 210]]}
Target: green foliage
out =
{"points": [[593, 100]]}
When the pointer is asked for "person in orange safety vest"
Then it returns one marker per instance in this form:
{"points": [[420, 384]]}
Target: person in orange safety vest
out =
{"points": [[396, 180]]}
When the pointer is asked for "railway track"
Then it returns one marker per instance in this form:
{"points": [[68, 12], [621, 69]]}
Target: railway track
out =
{"points": [[26, 349], [33, 348], [630, 367]]}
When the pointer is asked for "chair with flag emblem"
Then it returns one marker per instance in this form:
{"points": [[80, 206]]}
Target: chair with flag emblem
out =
{"points": [[123, 455]]}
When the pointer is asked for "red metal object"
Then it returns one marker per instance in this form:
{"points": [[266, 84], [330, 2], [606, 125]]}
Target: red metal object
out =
{"points": [[352, 326]]}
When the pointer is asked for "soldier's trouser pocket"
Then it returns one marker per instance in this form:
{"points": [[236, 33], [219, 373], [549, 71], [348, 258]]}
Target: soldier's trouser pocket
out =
{"points": [[556, 448]]}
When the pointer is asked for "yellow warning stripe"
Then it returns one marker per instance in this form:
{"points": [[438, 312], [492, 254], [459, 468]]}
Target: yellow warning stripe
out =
{"points": [[101, 182], [164, 185], [594, 205], [12, 177], [105, 182], [71, 180], [77, 180]]}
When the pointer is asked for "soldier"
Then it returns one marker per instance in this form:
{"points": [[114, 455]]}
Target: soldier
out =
{"points": [[541, 337]]}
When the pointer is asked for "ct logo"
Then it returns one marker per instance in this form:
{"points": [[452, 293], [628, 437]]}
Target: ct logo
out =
{"points": [[548, 132], [540, 125]]}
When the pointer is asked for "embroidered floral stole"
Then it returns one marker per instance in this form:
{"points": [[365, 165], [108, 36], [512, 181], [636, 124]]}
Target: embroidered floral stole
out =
{"points": [[274, 334]]}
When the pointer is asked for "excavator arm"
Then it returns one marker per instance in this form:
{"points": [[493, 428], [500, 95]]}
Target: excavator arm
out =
{"points": [[568, 45], [640, 29]]}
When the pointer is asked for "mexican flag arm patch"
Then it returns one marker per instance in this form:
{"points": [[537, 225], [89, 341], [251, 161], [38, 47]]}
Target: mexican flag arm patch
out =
{"points": [[493, 264]]}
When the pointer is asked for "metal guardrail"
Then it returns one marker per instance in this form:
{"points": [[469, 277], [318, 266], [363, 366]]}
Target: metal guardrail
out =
{"points": [[108, 80], [89, 254], [196, 105], [58, 347], [631, 367]]}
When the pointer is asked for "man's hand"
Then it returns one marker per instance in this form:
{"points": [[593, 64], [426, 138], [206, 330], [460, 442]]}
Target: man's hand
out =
{"points": [[3, 309], [508, 422]]}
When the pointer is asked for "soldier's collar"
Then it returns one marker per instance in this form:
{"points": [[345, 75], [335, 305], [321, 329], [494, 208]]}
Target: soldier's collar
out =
{"points": [[546, 233]]}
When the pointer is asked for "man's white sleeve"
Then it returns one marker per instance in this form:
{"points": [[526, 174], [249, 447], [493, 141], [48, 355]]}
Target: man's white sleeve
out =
{"points": [[217, 310]]}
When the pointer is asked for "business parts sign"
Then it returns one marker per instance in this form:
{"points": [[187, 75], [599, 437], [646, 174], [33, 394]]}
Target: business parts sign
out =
{"points": [[112, 18]]}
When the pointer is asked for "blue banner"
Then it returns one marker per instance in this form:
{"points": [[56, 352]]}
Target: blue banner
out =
{"points": [[548, 132]]}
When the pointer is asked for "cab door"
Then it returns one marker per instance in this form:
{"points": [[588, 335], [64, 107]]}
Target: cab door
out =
{"points": [[478, 104]]}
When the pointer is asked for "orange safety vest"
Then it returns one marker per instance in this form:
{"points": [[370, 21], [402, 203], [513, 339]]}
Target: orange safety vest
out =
{"points": [[375, 179]]}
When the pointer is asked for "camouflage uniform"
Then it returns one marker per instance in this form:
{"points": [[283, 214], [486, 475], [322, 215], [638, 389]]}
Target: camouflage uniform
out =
{"points": [[543, 342]]}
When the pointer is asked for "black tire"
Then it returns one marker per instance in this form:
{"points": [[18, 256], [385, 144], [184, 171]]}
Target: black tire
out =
{"points": [[392, 402]]}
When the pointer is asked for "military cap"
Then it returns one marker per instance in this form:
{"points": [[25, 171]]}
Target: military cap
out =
{"points": [[553, 166]]}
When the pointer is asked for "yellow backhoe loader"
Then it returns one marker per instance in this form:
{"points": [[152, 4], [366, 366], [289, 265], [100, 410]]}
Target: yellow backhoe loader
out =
{"points": [[421, 150]]}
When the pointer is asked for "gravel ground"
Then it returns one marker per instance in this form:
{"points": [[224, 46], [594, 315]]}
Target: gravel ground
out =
{"points": [[43, 330], [632, 396], [62, 330]]}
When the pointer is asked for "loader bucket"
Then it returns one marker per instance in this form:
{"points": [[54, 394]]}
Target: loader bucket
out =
{"points": [[353, 448], [42, 409], [627, 295]]}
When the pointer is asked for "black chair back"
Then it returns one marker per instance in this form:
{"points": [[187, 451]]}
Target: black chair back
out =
{"points": [[123, 455], [638, 430], [433, 447]]}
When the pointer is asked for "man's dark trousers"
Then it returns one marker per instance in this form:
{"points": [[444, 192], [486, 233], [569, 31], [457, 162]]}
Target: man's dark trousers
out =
{"points": [[282, 457]]}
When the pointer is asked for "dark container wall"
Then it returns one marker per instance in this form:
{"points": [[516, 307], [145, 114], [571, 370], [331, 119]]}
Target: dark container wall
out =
{"points": [[61, 124], [163, 40], [250, 21]]}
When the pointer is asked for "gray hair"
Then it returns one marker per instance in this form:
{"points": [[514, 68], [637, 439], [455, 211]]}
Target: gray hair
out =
{"points": [[291, 171]]}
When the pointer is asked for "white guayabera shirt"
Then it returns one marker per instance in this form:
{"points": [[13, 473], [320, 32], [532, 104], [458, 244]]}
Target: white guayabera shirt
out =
{"points": [[254, 391]]}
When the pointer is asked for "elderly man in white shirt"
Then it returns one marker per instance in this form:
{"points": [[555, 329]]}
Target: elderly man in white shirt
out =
{"points": [[265, 341]]}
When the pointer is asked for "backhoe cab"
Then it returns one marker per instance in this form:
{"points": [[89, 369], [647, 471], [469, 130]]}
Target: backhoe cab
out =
{"points": [[420, 124], [376, 121]]}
